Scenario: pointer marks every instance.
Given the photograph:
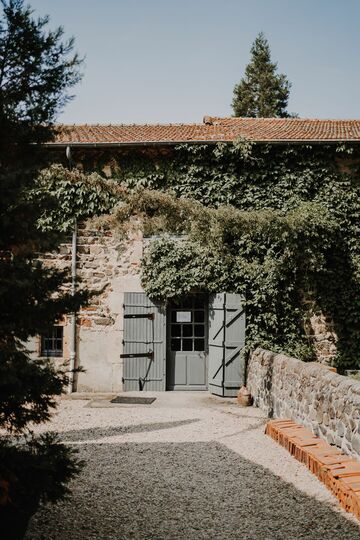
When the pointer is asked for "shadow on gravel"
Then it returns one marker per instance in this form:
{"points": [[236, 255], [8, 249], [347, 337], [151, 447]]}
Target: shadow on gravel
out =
{"points": [[183, 491], [100, 433], [240, 432], [256, 425]]}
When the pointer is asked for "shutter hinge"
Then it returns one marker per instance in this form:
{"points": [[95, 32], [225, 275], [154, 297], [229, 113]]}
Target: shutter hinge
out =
{"points": [[149, 354], [150, 316]]}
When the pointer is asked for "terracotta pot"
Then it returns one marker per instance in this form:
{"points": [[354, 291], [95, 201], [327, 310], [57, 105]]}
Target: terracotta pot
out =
{"points": [[244, 397]]}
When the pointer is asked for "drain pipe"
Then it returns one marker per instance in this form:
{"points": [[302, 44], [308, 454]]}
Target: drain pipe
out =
{"points": [[73, 289]]}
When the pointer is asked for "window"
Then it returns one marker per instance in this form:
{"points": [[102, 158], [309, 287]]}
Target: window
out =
{"points": [[187, 324], [52, 342]]}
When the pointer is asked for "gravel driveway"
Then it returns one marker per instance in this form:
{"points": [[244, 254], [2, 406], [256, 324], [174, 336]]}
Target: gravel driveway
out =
{"points": [[189, 466]]}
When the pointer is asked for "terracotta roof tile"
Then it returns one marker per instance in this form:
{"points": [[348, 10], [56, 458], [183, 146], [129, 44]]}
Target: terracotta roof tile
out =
{"points": [[213, 129]]}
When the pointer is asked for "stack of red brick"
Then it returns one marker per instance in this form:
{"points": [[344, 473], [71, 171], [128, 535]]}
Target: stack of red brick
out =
{"points": [[339, 472]]}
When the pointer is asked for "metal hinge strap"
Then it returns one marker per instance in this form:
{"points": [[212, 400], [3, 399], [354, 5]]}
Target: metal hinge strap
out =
{"points": [[138, 355], [150, 316]]}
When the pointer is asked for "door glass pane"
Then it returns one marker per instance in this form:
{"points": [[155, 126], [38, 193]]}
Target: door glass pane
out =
{"points": [[187, 323], [187, 344], [187, 330], [176, 344], [175, 330], [199, 301], [187, 302], [199, 330], [199, 316], [199, 344]]}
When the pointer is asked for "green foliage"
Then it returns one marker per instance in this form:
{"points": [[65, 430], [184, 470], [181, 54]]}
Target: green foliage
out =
{"points": [[43, 467], [37, 69], [27, 390], [246, 175], [182, 266], [269, 257], [262, 92], [32, 471], [313, 262], [79, 197], [276, 223]]}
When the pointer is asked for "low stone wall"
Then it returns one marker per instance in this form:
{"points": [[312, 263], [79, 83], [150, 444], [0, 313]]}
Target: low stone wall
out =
{"points": [[309, 393]]}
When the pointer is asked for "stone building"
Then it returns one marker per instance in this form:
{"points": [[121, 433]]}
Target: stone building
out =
{"points": [[123, 340]]}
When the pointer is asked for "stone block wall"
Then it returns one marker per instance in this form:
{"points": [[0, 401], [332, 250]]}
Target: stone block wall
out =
{"points": [[109, 265], [322, 333], [309, 393]]}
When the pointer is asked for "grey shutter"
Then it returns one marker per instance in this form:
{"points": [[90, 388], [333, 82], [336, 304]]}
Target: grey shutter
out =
{"points": [[144, 351], [226, 341]]}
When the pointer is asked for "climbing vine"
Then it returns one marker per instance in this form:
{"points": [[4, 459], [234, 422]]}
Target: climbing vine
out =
{"points": [[279, 224], [65, 195]]}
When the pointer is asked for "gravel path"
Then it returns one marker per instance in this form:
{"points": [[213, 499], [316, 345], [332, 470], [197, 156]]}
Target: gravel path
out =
{"points": [[189, 466]]}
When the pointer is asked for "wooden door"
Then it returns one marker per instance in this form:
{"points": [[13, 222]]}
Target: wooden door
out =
{"points": [[187, 344]]}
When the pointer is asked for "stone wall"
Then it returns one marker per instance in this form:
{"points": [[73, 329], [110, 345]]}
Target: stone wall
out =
{"points": [[309, 393], [109, 265], [320, 331], [324, 337]]}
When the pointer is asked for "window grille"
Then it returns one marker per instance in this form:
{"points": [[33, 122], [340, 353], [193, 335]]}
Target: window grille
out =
{"points": [[52, 342], [188, 324]]}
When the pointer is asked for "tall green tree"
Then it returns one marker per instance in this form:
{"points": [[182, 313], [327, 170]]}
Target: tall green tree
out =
{"points": [[37, 69], [262, 92]]}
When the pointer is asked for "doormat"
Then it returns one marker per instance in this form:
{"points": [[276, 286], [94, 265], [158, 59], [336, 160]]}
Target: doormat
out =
{"points": [[133, 400]]}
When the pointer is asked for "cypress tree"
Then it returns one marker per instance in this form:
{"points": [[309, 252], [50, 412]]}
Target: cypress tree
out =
{"points": [[262, 92]]}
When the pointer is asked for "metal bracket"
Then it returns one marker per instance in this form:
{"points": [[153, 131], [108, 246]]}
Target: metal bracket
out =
{"points": [[149, 354], [150, 316]]}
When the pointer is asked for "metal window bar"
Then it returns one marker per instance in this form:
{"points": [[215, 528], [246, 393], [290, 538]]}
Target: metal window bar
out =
{"points": [[52, 342], [181, 341]]}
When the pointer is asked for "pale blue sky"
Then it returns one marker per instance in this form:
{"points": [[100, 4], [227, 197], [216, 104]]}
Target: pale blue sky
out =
{"points": [[150, 61]]}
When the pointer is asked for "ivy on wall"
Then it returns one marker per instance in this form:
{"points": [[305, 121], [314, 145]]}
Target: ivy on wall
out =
{"points": [[271, 258], [279, 224], [65, 195]]}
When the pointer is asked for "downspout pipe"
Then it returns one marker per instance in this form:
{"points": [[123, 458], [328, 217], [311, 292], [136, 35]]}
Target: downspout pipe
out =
{"points": [[73, 290]]}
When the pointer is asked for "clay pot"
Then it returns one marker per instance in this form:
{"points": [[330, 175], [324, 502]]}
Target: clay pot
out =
{"points": [[244, 397]]}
